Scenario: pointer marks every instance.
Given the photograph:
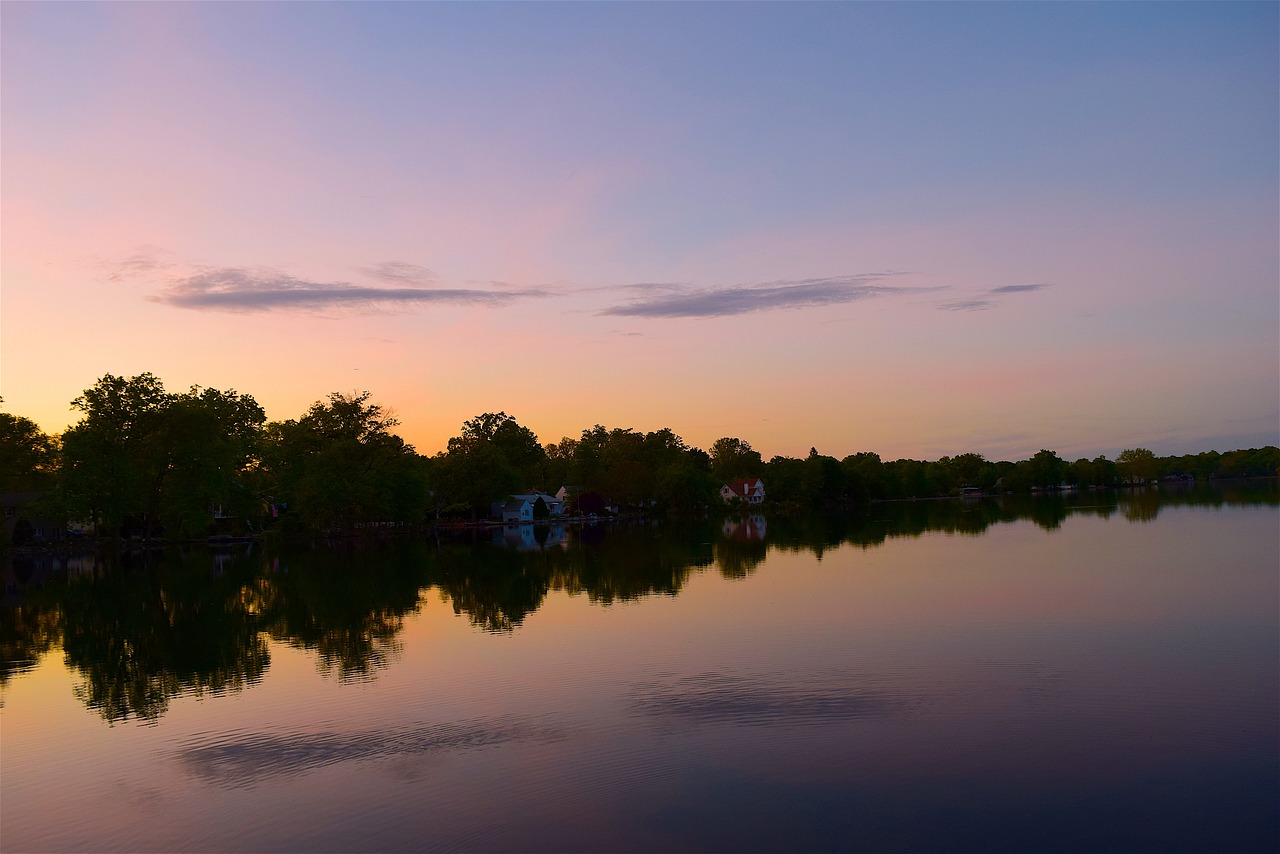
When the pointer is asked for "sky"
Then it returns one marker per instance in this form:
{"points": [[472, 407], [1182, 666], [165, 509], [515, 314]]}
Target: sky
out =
{"points": [[917, 229]]}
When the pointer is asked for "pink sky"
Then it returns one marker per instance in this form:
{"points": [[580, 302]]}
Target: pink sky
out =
{"points": [[1030, 246]]}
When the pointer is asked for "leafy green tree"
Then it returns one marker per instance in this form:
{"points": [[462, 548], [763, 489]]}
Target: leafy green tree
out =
{"points": [[664, 446], [613, 463], [785, 479], [1251, 462], [589, 458], [340, 466], [518, 444], [1105, 472], [142, 452], [623, 474], [909, 479], [964, 470], [211, 439], [733, 458], [824, 478], [1045, 469], [28, 455], [813, 481], [684, 486], [1096, 472], [560, 463], [1138, 465], [864, 475], [492, 457], [113, 463]]}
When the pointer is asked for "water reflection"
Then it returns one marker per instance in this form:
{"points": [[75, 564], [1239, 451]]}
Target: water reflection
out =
{"points": [[249, 759], [780, 699], [347, 607], [141, 635], [141, 629]]}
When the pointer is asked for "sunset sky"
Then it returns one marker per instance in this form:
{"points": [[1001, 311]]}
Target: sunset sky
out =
{"points": [[918, 229]]}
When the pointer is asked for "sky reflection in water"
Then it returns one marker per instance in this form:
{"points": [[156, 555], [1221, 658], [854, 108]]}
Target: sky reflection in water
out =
{"points": [[935, 676]]}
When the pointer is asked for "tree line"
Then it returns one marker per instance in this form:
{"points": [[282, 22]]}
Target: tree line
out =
{"points": [[142, 461]]}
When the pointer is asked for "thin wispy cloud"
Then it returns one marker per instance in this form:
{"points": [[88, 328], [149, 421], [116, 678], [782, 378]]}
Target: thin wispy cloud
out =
{"points": [[967, 305], [676, 301], [649, 287], [239, 290], [146, 261], [990, 298], [401, 272], [1018, 289]]}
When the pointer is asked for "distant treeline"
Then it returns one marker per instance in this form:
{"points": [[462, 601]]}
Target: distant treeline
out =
{"points": [[145, 461]]}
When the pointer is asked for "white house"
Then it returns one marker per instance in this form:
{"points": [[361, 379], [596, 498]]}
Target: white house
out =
{"points": [[519, 508], [555, 506], [748, 490], [516, 510]]}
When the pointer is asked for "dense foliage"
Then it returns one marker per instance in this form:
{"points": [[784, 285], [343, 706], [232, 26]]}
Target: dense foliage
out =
{"points": [[142, 461]]}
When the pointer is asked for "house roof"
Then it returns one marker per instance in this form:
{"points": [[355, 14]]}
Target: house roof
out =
{"points": [[744, 485], [532, 497]]}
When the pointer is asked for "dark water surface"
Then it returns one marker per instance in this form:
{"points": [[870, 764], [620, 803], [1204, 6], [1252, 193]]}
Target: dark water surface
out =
{"points": [[1084, 673]]}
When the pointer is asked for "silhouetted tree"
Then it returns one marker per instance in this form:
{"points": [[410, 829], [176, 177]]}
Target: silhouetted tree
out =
{"points": [[28, 455], [732, 458], [340, 466], [113, 463], [1137, 465]]}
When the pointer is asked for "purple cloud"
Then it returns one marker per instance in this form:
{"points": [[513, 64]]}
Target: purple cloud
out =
{"points": [[239, 290], [1018, 289], [674, 301]]}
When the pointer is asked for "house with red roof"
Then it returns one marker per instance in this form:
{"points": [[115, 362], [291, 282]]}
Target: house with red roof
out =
{"points": [[746, 490]]}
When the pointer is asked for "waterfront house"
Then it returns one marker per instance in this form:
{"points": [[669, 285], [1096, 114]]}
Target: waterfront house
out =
{"points": [[555, 505], [524, 507], [514, 511], [747, 490]]}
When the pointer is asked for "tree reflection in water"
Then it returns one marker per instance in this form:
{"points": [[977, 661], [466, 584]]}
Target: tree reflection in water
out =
{"points": [[346, 605], [142, 629], [145, 632]]}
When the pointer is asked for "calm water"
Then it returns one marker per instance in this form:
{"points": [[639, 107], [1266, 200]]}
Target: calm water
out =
{"points": [[1083, 674]]}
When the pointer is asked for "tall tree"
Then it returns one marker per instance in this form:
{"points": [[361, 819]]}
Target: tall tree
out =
{"points": [[142, 452], [517, 445], [340, 466], [734, 458], [28, 455], [1138, 465], [211, 438], [1045, 469], [112, 463]]}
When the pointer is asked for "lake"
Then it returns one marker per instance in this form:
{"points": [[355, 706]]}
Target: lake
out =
{"points": [[1070, 673]]}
